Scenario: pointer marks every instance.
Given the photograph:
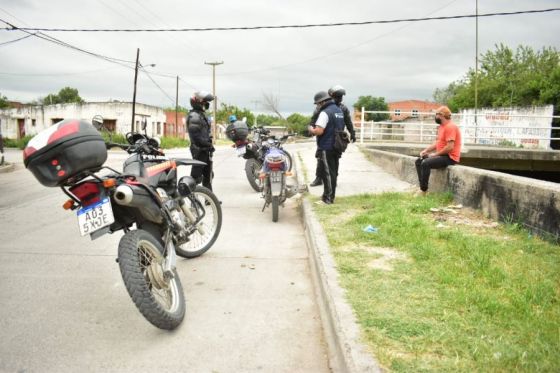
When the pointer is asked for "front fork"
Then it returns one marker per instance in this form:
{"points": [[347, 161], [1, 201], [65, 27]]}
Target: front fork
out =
{"points": [[273, 185], [170, 259]]}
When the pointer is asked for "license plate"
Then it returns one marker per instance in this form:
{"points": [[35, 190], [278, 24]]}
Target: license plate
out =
{"points": [[241, 150], [95, 217]]}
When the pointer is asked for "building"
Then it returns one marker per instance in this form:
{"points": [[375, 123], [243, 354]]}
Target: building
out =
{"points": [[30, 119], [175, 124], [403, 110]]}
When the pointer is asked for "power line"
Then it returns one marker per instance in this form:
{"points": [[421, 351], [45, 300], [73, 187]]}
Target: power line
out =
{"points": [[157, 85], [18, 39], [289, 26]]}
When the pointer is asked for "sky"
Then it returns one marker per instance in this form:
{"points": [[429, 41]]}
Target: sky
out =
{"points": [[397, 61]]}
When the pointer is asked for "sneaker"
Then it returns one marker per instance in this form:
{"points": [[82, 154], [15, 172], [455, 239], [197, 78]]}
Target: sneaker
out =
{"points": [[316, 182]]}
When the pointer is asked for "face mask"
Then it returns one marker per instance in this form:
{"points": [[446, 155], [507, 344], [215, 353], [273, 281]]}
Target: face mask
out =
{"points": [[206, 105], [438, 120]]}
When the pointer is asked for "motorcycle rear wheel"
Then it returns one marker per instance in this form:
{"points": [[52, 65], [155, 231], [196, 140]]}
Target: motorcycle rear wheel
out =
{"points": [[275, 208], [198, 244], [252, 169], [161, 301]]}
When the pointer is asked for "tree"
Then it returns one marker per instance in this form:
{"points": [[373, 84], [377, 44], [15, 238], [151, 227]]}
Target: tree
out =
{"points": [[507, 78], [271, 104], [64, 96], [298, 123], [370, 103], [4, 104], [226, 110], [266, 120]]}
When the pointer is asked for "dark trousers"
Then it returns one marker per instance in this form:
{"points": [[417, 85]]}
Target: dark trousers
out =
{"points": [[425, 165], [328, 172], [203, 174]]}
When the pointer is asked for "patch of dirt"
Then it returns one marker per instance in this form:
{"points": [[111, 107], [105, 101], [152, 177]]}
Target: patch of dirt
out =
{"points": [[452, 215], [386, 256]]}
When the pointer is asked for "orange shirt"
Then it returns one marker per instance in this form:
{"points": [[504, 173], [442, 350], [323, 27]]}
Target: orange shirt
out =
{"points": [[449, 132]]}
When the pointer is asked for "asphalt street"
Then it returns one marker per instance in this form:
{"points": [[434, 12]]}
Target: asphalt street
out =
{"points": [[251, 305]]}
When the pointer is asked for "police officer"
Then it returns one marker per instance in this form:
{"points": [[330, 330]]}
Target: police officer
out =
{"points": [[199, 130], [330, 118], [336, 92]]}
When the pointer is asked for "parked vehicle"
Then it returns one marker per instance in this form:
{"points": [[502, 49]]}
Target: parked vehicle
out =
{"points": [[161, 217], [267, 165], [254, 150], [273, 175]]}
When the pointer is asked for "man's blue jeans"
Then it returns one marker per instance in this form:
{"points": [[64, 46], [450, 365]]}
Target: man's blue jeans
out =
{"points": [[425, 165]]}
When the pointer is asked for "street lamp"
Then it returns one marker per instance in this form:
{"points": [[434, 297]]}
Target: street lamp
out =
{"points": [[214, 64]]}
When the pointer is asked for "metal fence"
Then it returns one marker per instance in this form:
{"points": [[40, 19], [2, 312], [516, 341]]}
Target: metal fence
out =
{"points": [[420, 127]]}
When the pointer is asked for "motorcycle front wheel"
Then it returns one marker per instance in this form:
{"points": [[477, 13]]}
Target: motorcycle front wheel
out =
{"points": [[288, 160], [160, 300], [209, 227], [252, 169]]}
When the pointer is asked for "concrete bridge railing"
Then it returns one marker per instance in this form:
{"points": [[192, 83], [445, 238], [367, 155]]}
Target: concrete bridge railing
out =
{"points": [[509, 198]]}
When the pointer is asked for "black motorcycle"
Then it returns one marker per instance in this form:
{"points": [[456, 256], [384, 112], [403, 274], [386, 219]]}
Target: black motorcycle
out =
{"points": [[161, 217], [254, 151]]}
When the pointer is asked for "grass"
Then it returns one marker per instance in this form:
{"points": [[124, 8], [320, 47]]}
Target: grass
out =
{"points": [[466, 299]]}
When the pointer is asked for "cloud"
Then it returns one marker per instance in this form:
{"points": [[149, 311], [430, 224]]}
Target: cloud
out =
{"points": [[396, 61]]}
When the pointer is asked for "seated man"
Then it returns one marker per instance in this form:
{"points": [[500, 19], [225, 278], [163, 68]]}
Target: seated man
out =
{"points": [[447, 149]]}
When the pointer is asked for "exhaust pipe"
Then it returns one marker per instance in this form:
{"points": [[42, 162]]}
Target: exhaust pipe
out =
{"points": [[133, 196]]}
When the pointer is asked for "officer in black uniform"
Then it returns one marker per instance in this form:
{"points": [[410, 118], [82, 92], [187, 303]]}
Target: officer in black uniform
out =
{"points": [[336, 92], [329, 120], [200, 135]]}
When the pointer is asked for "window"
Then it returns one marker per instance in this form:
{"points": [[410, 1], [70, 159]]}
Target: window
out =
{"points": [[56, 120], [158, 128], [33, 122], [398, 112], [415, 113]]}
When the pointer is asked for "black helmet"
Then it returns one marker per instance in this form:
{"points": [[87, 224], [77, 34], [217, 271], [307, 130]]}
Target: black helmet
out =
{"points": [[320, 97], [201, 100], [337, 91]]}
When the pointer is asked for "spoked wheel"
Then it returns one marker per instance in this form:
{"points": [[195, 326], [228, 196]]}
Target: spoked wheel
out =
{"points": [[158, 298], [252, 169], [275, 206], [202, 202]]}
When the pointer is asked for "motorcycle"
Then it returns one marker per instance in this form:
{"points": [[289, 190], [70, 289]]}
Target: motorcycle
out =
{"points": [[273, 176], [161, 217], [253, 151], [267, 166]]}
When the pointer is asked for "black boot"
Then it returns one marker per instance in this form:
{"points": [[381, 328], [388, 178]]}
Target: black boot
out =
{"points": [[316, 182]]}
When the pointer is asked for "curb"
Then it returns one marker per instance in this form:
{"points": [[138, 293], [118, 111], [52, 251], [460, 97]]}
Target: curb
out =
{"points": [[343, 336]]}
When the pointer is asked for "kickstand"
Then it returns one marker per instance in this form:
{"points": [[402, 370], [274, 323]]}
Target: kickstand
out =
{"points": [[264, 206]]}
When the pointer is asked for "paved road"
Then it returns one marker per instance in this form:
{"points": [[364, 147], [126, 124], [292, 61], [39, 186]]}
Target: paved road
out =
{"points": [[250, 301]]}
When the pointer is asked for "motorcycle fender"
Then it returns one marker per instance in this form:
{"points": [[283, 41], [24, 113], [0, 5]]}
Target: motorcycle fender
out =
{"points": [[276, 181]]}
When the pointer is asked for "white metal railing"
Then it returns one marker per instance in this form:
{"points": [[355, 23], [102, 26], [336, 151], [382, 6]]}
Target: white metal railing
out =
{"points": [[424, 129]]}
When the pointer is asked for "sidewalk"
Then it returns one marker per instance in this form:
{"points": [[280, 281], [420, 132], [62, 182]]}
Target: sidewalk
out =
{"points": [[357, 175]]}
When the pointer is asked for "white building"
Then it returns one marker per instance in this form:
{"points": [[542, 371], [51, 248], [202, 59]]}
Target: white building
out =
{"points": [[28, 120]]}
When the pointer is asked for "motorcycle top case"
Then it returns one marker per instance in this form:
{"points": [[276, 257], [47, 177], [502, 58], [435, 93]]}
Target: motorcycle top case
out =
{"points": [[64, 150], [237, 131]]}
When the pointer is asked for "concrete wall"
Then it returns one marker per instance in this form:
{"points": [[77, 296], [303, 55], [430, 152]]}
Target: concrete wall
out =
{"points": [[500, 196], [37, 118]]}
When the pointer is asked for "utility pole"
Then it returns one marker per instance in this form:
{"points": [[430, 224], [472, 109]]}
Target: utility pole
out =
{"points": [[134, 95], [177, 107], [256, 102], [214, 124], [476, 80]]}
